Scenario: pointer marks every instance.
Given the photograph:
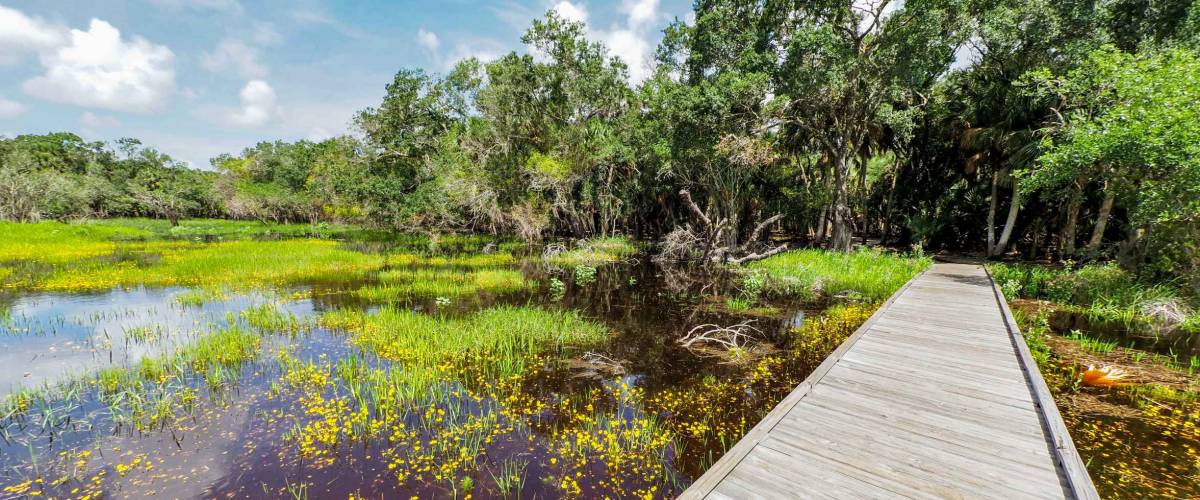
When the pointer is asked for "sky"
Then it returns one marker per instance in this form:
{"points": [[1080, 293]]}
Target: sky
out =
{"points": [[197, 78]]}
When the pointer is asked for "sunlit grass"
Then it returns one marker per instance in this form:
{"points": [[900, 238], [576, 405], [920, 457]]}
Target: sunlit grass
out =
{"points": [[237, 264], [471, 260], [594, 252], [58, 243], [870, 274], [401, 284], [509, 334], [1102, 293], [221, 228]]}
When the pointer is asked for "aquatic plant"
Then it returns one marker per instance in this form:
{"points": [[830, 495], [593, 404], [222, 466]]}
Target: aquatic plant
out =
{"points": [[269, 319], [199, 297], [401, 284], [593, 252], [1102, 293], [466, 261], [585, 275], [558, 289], [872, 274], [235, 265]]}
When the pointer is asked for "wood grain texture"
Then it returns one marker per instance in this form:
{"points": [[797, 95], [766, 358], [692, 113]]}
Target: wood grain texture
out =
{"points": [[934, 396]]}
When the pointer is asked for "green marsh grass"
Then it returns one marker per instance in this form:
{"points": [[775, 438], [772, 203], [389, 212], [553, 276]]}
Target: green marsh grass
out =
{"points": [[468, 261], [872, 274], [405, 283], [1102, 293], [595, 252], [269, 319], [501, 340], [236, 264]]}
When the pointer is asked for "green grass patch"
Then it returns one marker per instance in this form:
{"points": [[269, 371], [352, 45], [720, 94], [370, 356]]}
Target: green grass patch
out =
{"points": [[401, 284], [594, 252], [468, 261], [223, 229], [505, 338], [873, 275], [1103, 293], [269, 319], [236, 264]]}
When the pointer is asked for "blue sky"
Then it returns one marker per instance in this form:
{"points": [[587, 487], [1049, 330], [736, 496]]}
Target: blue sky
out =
{"points": [[196, 78]]}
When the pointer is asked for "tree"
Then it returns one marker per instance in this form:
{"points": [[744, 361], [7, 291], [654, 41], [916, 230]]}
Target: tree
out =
{"points": [[1130, 120], [851, 70]]}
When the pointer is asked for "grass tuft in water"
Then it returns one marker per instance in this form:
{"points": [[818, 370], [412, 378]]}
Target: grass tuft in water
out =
{"points": [[873, 275]]}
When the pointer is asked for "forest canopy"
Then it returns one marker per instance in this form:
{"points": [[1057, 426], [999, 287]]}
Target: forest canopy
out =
{"points": [[1061, 130]]}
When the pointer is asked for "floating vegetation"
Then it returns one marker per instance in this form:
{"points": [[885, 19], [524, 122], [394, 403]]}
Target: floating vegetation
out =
{"points": [[585, 275]]}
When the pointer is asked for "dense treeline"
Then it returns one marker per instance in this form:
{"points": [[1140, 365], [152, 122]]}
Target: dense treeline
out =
{"points": [[62, 176], [1066, 130]]}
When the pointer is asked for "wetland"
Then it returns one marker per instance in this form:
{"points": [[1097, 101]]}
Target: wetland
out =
{"points": [[280, 362]]}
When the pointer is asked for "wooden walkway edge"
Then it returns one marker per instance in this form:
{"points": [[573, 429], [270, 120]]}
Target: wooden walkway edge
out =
{"points": [[934, 396]]}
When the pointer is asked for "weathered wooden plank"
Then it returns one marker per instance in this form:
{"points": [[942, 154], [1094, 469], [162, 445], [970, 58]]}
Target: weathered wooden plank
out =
{"points": [[935, 396]]}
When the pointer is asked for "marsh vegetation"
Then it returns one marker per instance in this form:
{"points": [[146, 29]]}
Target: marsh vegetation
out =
{"points": [[446, 366]]}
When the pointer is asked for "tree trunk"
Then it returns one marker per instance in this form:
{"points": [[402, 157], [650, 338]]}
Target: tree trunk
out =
{"points": [[1066, 239], [1013, 207], [991, 219], [822, 225], [1101, 221], [841, 205]]}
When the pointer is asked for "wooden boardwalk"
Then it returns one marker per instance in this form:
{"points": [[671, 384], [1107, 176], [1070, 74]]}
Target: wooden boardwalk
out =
{"points": [[935, 396]]}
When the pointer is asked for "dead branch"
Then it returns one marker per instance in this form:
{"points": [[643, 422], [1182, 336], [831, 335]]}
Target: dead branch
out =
{"points": [[730, 337]]}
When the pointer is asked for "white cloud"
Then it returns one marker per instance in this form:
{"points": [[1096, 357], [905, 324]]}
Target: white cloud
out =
{"points": [[258, 105], [93, 121], [428, 39], [235, 55], [571, 12], [631, 40], [96, 68], [10, 108], [641, 12], [21, 34]]}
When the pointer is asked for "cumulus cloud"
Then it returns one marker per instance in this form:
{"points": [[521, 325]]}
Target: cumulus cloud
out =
{"points": [[630, 40], [428, 39], [234, 55], [258, 105], [571, 12], [10, 108], [21, 35], [97, 68]]}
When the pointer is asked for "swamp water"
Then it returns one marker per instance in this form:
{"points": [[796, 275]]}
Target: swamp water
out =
{"points": [[454, 377]]}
